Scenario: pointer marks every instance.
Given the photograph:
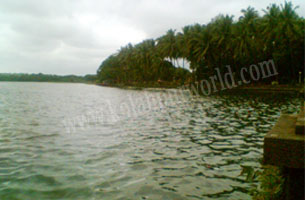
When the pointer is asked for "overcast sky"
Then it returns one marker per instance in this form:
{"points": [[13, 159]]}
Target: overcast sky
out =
{"points": [[75, 36]]}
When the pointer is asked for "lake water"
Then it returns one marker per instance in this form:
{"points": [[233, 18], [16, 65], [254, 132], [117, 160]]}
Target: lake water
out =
{"points": [[78, 141]]}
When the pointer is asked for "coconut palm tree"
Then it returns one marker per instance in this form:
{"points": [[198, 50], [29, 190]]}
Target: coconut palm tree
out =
{"points": [[168, 46]]}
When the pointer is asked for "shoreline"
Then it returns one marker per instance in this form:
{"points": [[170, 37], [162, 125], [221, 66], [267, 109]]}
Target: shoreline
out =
{"points": [[298, 89], [139, 87]]}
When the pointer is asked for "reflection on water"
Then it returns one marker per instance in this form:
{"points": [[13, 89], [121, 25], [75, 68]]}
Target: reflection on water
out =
{"points": [[177, 149]]}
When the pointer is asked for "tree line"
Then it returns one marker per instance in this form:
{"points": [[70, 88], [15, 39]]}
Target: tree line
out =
{"points": [[277, 35], [46, 78]]}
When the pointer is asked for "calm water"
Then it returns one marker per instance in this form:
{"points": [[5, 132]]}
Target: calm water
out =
{"points": [[77, 141]]}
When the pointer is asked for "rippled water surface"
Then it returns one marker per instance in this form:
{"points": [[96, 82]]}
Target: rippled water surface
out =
{"points": [[77, 141]]}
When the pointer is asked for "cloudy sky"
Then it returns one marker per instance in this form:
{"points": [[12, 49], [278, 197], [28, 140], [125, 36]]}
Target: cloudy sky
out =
{"points": [[75, 36]]}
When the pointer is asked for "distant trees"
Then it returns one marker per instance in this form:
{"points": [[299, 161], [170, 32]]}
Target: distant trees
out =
{"points": [[47, 78], [278, 35]]}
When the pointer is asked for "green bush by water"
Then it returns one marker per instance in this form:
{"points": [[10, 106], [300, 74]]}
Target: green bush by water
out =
{"points": [[270, 182]]}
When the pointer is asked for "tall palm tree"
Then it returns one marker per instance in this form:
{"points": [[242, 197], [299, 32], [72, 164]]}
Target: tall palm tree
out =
{"points": [[168, 46], [288, 31], [222, 28], [246, 36], [269, 27]]}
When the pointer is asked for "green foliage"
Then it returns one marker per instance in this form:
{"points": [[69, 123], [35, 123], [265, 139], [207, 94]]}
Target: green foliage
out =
{"points": [[270, 182], [47, 78], [278, 35]]}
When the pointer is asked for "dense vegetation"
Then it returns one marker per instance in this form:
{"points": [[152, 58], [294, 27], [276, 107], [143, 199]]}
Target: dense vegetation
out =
{"points": [[277, 35], [46, 78]]}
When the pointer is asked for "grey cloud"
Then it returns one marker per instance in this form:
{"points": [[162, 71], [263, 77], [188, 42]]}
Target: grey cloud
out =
{"points": [[74, 36]]}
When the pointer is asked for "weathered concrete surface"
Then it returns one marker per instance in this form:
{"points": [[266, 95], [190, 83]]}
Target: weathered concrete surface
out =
{"points": [[282, 146]]}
